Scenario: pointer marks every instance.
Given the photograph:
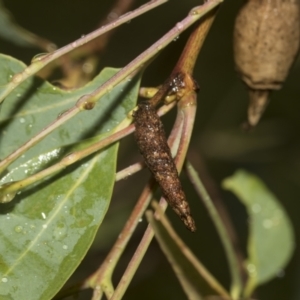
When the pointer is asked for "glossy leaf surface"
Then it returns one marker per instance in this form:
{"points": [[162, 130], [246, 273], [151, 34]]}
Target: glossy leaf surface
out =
{"points": [[36, 103], [271, 238], [48, 228]]}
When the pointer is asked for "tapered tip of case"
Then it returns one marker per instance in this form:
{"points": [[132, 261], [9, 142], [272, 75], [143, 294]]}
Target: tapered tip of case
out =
{"points": [[189, 223]]}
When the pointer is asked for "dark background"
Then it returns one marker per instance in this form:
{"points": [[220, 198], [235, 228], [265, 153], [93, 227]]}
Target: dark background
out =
{"points": [[271, 151]]}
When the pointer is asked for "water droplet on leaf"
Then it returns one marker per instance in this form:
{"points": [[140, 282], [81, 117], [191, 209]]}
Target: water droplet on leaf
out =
{"points": [[18, 229]]}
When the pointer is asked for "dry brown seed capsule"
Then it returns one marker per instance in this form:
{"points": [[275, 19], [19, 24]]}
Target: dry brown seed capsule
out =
{"points": [[151, 140], [266, 42]]}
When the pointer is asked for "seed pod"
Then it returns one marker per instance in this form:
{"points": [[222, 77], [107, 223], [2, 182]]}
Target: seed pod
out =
{"points": [[152, 143], [266, 42]]}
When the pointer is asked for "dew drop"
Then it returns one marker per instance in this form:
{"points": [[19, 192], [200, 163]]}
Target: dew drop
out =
{"points": [[61, 114], [38, 57], [22, 120], [18, 229], [141, 220], [176, 39], [51, 47], [88, 105], [179, 25], [45, 226], [112, 16], [4, 279], [71, 158], [6, 197], [29, 127], [65, 247], [43, 215]]}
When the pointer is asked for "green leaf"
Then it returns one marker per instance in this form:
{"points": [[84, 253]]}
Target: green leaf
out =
{"points": [[36, 103], [14, 33], [47, 229], [271, 238], [46, 232]]}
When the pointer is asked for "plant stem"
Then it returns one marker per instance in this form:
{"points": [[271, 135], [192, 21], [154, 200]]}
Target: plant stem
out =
{"points": [[121, 131], [189, 55], [185, 121], [125, 173], [42, 61], [113, 81], [214, 193], [186, 63], [76, 74], [236, 286], [179, 139], [201, 269], [107, 267], [65, 162], [180, 136]]}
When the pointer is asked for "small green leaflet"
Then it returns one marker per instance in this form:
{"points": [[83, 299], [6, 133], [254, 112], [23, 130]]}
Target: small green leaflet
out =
{"points": [[271, 239]]}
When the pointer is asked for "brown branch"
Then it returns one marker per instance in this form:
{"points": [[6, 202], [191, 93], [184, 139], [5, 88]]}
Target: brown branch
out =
{"points": [[180, 81]]}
